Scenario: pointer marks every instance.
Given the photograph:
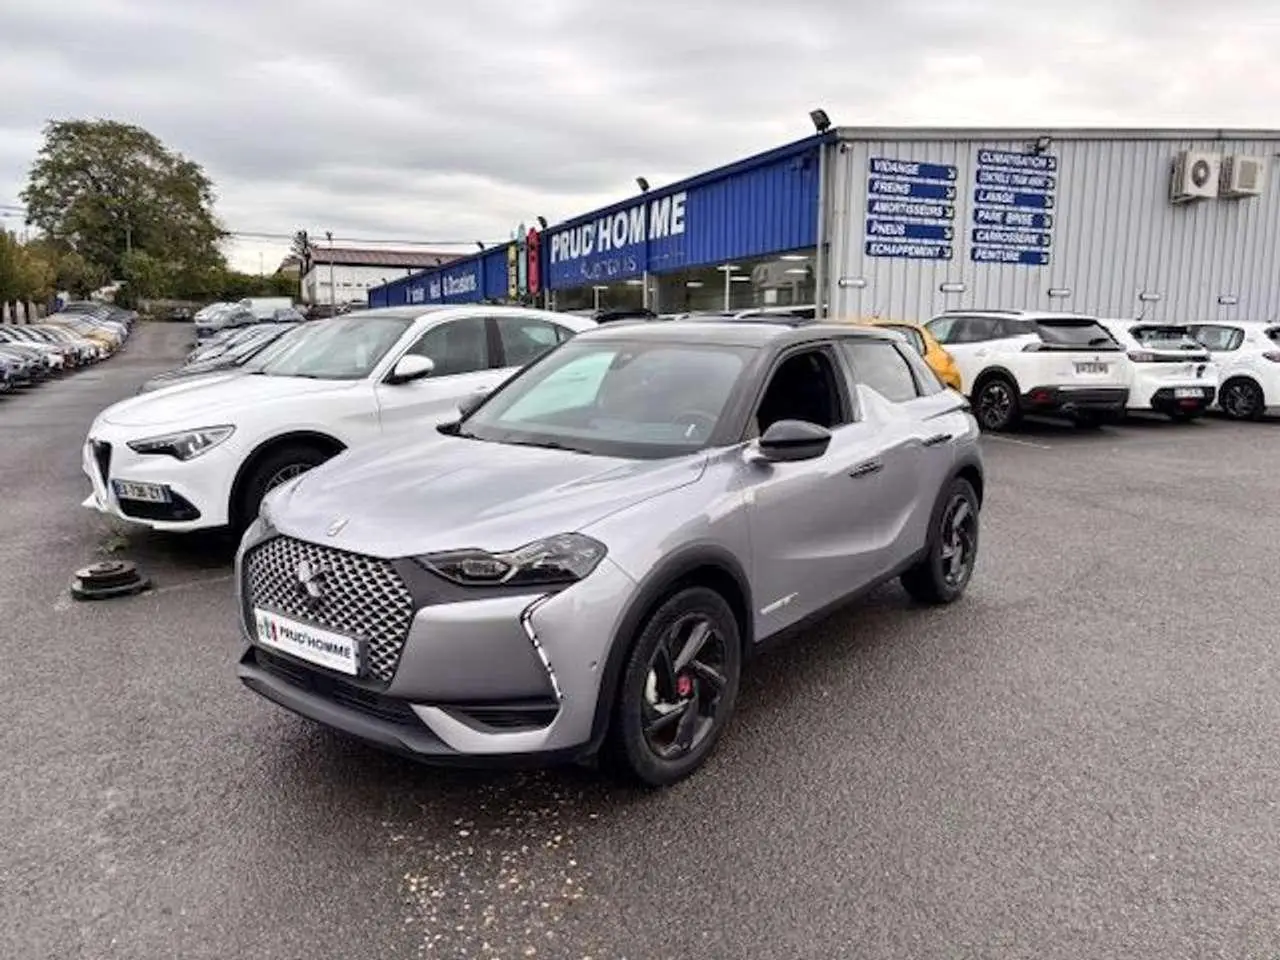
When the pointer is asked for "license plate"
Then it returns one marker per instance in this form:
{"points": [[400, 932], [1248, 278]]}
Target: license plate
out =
{"points": [[1187, 393], [301, 640], [1091, 368], [146, 492]]}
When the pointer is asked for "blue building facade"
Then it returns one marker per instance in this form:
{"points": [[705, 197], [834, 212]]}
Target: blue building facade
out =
{"points": [[687, 243]]}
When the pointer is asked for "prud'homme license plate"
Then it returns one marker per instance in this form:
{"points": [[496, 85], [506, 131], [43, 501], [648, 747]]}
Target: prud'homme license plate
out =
{"points": [[1088, 367], [148, 492], [321, 647]]}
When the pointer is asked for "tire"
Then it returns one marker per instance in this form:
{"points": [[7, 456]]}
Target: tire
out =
{"points": [[996, 404], [272, 470], [953, 539], [652, 740], [1242, 399]]}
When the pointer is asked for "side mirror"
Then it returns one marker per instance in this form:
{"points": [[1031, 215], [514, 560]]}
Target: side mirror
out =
{"points": [[411, 367], [788, 441], [469, 404]]}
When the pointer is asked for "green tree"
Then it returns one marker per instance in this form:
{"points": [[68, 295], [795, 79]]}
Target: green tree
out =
{"points": [[103, 189], [72, 272], [24, 273]]}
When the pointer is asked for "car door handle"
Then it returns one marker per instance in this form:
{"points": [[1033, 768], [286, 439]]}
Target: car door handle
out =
{"points": [[866, 469], [937, 439]]}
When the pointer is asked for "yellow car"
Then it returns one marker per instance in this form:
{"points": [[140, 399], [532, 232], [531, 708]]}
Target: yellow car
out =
{"points": [[939, 361]]}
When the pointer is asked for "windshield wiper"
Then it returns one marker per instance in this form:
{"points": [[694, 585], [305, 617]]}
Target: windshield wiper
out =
{"points": [[544, 444]]}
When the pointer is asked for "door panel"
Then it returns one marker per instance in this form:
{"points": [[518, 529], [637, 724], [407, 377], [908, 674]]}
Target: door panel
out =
{"points": [[822, 528], [461, 351]]}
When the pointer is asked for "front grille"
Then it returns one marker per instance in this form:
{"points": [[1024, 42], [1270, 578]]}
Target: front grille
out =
{"points": [[102, 456], [362, 597]]}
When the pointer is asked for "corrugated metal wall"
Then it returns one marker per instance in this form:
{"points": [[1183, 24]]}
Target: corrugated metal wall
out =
{"points": [[1114, 234]]}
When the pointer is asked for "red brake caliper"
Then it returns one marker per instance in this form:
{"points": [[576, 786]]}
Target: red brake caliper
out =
{"points": [[684, 685]]}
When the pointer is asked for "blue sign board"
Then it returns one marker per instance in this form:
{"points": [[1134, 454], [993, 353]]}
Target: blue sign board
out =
{"points": [[880, 187], [1012, 194], [907, 249], [1026, 258], [910, 209], [903, 230]]}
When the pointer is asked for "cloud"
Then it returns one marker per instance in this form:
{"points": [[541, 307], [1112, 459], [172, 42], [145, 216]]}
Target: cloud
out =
{"points": [[456, 121]]}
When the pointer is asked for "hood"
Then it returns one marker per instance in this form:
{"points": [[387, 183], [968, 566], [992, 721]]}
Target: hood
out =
{"points": [[182, 380], [448, 493], [212, 401]]}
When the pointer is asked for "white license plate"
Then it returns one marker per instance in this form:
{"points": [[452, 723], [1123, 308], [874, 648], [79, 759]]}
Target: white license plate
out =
{"points": [[1187, 393], [306, 642], [147, 492], [1091, 368]]}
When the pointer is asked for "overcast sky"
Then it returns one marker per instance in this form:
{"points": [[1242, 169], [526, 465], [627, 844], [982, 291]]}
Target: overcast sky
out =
{"points": [[435, 121]]}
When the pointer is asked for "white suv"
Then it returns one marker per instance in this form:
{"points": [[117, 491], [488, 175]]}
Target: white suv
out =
{"points": [[1247, 354], [1015, 362], [1169, 372]]}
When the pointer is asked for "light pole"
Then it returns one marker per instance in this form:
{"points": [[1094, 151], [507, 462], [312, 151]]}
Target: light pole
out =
{"points": [[333, 293]]}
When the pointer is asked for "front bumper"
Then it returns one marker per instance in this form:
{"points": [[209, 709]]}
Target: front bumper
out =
{"points": [[199, 489], [490, 680], [1069, 400]]}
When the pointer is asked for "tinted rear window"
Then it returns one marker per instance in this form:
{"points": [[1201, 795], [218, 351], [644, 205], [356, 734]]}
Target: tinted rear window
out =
{"points": [[1217, 337], [1165, 337], [1075, 333]]}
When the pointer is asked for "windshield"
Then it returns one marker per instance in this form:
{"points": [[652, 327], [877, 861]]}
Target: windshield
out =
{"points": [[636, 399], [342, 348]]}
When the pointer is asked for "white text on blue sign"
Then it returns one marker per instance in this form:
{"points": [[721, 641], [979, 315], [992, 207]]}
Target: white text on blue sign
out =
{"points": [[614, 231]]}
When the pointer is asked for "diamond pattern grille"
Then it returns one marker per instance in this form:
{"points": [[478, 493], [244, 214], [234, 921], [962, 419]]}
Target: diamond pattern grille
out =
{"points": [[362, 597]]}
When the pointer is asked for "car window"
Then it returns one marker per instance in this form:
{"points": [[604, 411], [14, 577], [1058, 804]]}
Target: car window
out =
{"points": [[1075, 332], [456, 346], [805, 387], [878, 364], [1165, 337], [1273, 334], [626, 398], [927, 381], [1217, 337], [525, 339], [942, 328], [912, 336], [976, 330]]}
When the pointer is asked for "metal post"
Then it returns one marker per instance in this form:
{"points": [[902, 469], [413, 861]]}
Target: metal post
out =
{"points": [[644, 295], [728, 288], [333, 293], [820, 254]]}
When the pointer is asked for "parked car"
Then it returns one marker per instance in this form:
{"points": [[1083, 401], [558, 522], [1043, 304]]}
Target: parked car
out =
{"points": [[1169, 372], [264, 308], [581, 562], [56, 357], [87, 350], [25, 367], [15, 370], [234, 359], [1017, 362], [203, 456], [110, 335], [229, 317], [925, 344], [1247, 355]]}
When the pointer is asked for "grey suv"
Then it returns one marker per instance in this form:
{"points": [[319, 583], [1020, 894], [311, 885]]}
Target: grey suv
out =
{"points": [[581, 563]]}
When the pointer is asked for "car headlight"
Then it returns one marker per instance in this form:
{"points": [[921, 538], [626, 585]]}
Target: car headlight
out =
{"points": [[564, 558], [186, 445]]}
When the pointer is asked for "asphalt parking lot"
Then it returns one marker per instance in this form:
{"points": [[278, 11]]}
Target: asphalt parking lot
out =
{"points": [[1077, 760]]}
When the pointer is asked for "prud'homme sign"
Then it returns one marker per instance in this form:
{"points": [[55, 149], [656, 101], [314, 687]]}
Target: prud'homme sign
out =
{"points": [[612, 245]]}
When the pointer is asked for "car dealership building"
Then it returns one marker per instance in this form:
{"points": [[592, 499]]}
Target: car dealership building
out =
{"points": [[904, 223]]}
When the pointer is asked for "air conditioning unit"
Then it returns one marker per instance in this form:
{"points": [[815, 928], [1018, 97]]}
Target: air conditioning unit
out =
{"points": [[1242, 176], [1195, 176]]}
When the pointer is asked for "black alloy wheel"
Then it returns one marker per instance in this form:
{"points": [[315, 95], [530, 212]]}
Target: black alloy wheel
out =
{"points": [[943, 573], [996, 405], [678, 688], [1242, 400]]}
